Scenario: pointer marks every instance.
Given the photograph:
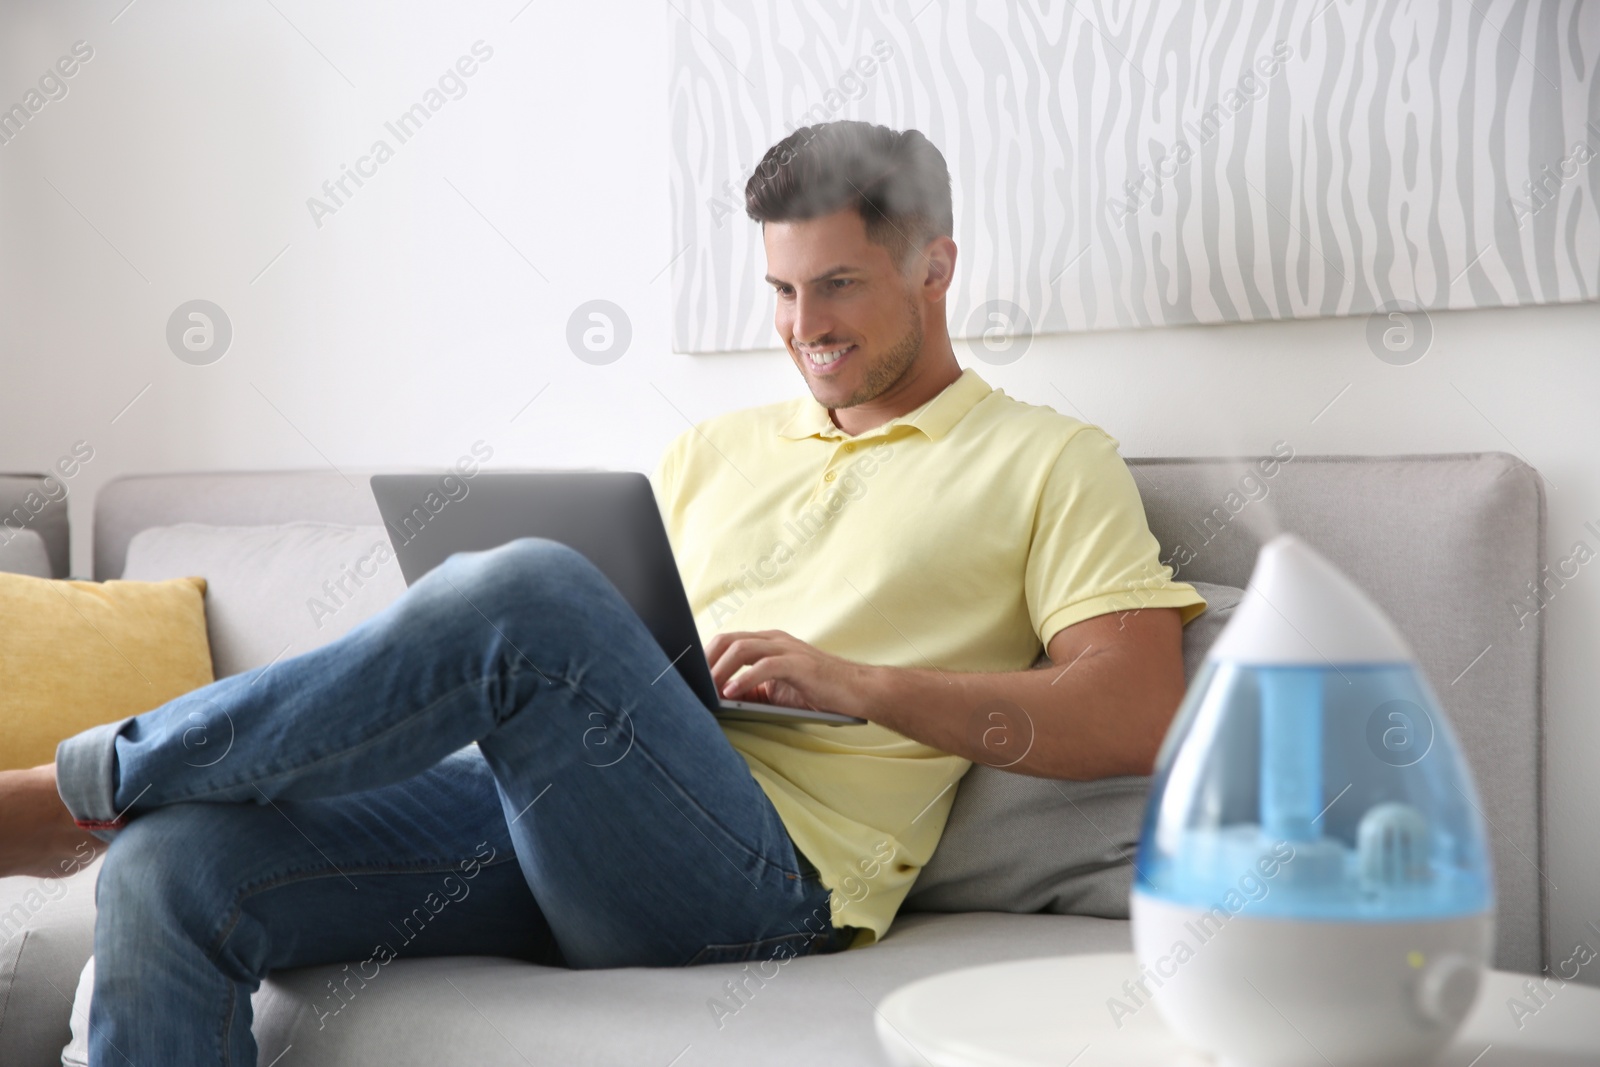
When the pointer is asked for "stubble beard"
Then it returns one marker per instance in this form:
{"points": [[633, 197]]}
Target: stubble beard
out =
{"points": [[886, 373]]}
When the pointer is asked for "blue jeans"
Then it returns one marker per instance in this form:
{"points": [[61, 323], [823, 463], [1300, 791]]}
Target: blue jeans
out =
{"points": [[334, 807]]}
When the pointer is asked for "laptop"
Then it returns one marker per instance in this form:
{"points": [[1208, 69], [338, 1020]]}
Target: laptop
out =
{"points": [[609, 516]]}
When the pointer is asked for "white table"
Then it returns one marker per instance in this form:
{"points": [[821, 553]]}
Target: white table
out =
{"points": [[1052, 1012]]}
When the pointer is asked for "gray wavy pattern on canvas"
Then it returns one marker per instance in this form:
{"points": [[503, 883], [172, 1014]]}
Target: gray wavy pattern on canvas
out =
{"points": [[1135, 164]]}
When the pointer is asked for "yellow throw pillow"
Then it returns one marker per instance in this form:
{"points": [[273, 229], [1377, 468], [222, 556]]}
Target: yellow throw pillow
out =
{"points": [[76, 654]]}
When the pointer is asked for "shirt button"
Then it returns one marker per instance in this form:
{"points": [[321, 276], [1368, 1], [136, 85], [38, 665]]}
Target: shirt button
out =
{"points": [[850, 448], [829, 476]]}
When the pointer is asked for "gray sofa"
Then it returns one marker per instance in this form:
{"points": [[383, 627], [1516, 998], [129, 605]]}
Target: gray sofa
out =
{"points": [[1026, 867]]}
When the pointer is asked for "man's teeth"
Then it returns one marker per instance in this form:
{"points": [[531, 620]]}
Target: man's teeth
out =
{"points": [[824, 358]]}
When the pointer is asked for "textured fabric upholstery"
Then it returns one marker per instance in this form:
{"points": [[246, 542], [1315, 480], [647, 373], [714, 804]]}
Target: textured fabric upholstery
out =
{"points": [[76, 654]]}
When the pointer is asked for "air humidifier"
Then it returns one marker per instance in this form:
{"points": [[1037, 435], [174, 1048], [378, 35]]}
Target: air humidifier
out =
{"points": [[1313, 883]]}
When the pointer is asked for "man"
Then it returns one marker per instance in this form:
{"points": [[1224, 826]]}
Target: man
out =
{"points": [[900, 545]]}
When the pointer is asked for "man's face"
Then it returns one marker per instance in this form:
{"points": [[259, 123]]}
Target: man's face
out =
{"points": [[851, 320]]}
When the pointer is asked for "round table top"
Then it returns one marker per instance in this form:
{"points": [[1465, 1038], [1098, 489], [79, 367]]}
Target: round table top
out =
{"points": [[1052, 1011]]}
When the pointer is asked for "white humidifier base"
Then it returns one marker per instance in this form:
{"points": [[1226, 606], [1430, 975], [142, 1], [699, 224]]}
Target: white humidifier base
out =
{"points": [[1280, 992]]}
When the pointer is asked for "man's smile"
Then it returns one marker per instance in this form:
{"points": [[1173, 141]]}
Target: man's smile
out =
{"points": [[826, 360]]}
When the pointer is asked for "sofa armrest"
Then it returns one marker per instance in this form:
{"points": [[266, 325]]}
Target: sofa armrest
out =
{"points": [[46, 936]]}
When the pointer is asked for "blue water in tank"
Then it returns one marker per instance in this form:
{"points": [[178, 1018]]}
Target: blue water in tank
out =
{"points": [[1326, 791]]}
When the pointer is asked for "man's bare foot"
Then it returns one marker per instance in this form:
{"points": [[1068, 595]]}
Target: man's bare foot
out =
{"points": [[37, 834]]}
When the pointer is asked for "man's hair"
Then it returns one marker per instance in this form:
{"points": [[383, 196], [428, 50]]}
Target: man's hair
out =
{"points": [[896, 179]]}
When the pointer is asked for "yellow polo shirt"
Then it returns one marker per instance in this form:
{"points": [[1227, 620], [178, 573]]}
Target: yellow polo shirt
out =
{"points": [[962, 535]]}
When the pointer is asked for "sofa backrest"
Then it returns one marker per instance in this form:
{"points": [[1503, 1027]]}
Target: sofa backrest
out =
{"points": [[1451, 546], [137, 502]]}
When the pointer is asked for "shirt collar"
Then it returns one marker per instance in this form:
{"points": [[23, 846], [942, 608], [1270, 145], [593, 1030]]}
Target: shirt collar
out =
{"points": [[934, 419]]}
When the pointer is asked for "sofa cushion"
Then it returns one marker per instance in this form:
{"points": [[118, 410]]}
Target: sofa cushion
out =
{"points": [[483, 1010], [807, 1011], [1022, 844], [24, 552], [76, 654], [273, 591]]}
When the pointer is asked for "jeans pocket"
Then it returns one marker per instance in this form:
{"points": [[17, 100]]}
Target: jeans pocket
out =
{"points": [[781, 947], [804, 867]]}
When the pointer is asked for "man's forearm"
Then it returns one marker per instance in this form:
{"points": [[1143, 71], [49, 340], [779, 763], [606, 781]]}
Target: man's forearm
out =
{"points": [[1100, 711], [1101, 714]]}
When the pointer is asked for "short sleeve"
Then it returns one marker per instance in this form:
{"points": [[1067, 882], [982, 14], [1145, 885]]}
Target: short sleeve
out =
{"points": [[664, 480], [1092, 551]]}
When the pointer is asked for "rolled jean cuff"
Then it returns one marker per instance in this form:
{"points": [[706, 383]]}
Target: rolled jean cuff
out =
{"points": [[86, 777]]}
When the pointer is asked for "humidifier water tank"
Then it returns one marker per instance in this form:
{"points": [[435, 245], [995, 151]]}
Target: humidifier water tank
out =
{"points": [[1313, 882]]}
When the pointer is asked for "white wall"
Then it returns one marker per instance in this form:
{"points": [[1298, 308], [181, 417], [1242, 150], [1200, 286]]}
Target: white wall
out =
{"points": [[406, 327]]}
